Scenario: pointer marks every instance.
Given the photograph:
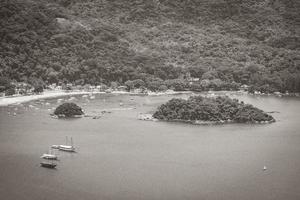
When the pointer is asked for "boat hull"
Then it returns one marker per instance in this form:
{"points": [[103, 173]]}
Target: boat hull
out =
{"points": [[55, 146], [49, 157], [48, 165], [67, 149]]}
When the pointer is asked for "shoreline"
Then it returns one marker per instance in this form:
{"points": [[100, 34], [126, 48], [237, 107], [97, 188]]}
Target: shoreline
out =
{"points": [[149, 117], [48, 94], [5, 101]]}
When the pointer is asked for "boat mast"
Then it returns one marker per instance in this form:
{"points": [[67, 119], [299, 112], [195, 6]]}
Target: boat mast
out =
{"points": [[71, 142]]}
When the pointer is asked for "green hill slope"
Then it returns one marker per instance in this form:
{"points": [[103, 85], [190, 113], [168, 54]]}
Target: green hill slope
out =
{"points": [[253, 42]]}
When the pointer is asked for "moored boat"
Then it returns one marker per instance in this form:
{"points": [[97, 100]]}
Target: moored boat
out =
{"points": [[66, 147], [50, 165], [49, 155], [55, 146]]}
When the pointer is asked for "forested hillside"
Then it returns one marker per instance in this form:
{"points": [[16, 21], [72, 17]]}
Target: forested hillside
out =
{"points": [[223, 42]]}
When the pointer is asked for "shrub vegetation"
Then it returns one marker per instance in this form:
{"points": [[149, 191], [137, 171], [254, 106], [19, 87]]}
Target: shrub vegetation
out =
{"points": [[220, 109], [224, 43], [68, 110]]}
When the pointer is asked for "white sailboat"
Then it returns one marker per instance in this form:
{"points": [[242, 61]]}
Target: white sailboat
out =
{"points": [[49, 155], [66, 147]]}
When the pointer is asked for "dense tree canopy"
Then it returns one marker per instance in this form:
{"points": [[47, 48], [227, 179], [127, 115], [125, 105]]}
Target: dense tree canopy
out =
{"points": [[218, 109], [222, 42], [5, 84], [68, 110]]}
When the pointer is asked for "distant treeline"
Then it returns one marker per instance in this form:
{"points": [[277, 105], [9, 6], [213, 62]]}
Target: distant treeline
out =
{"points": [[223, 43]]}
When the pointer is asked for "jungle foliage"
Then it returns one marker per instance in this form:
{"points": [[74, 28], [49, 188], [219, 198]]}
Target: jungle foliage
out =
{"points": [[222, 42], [68, 110], [210, 109]]}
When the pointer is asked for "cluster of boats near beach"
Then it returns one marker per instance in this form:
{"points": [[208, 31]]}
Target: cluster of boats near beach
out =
{"points": [[50, 157]]}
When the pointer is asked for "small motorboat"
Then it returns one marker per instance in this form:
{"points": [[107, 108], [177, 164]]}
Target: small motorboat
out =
{"points": [[48, 165], [55, 146], [49, 155]]}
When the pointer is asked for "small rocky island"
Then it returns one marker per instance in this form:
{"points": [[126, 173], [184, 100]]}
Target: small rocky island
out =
{"points": [[68, 110], [205, 110]]}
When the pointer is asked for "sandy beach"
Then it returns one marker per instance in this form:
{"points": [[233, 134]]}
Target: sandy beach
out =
{"points": [[5, 101]]}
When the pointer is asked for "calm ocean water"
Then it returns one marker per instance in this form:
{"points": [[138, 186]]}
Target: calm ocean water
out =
{"points": [[120, 157]]}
